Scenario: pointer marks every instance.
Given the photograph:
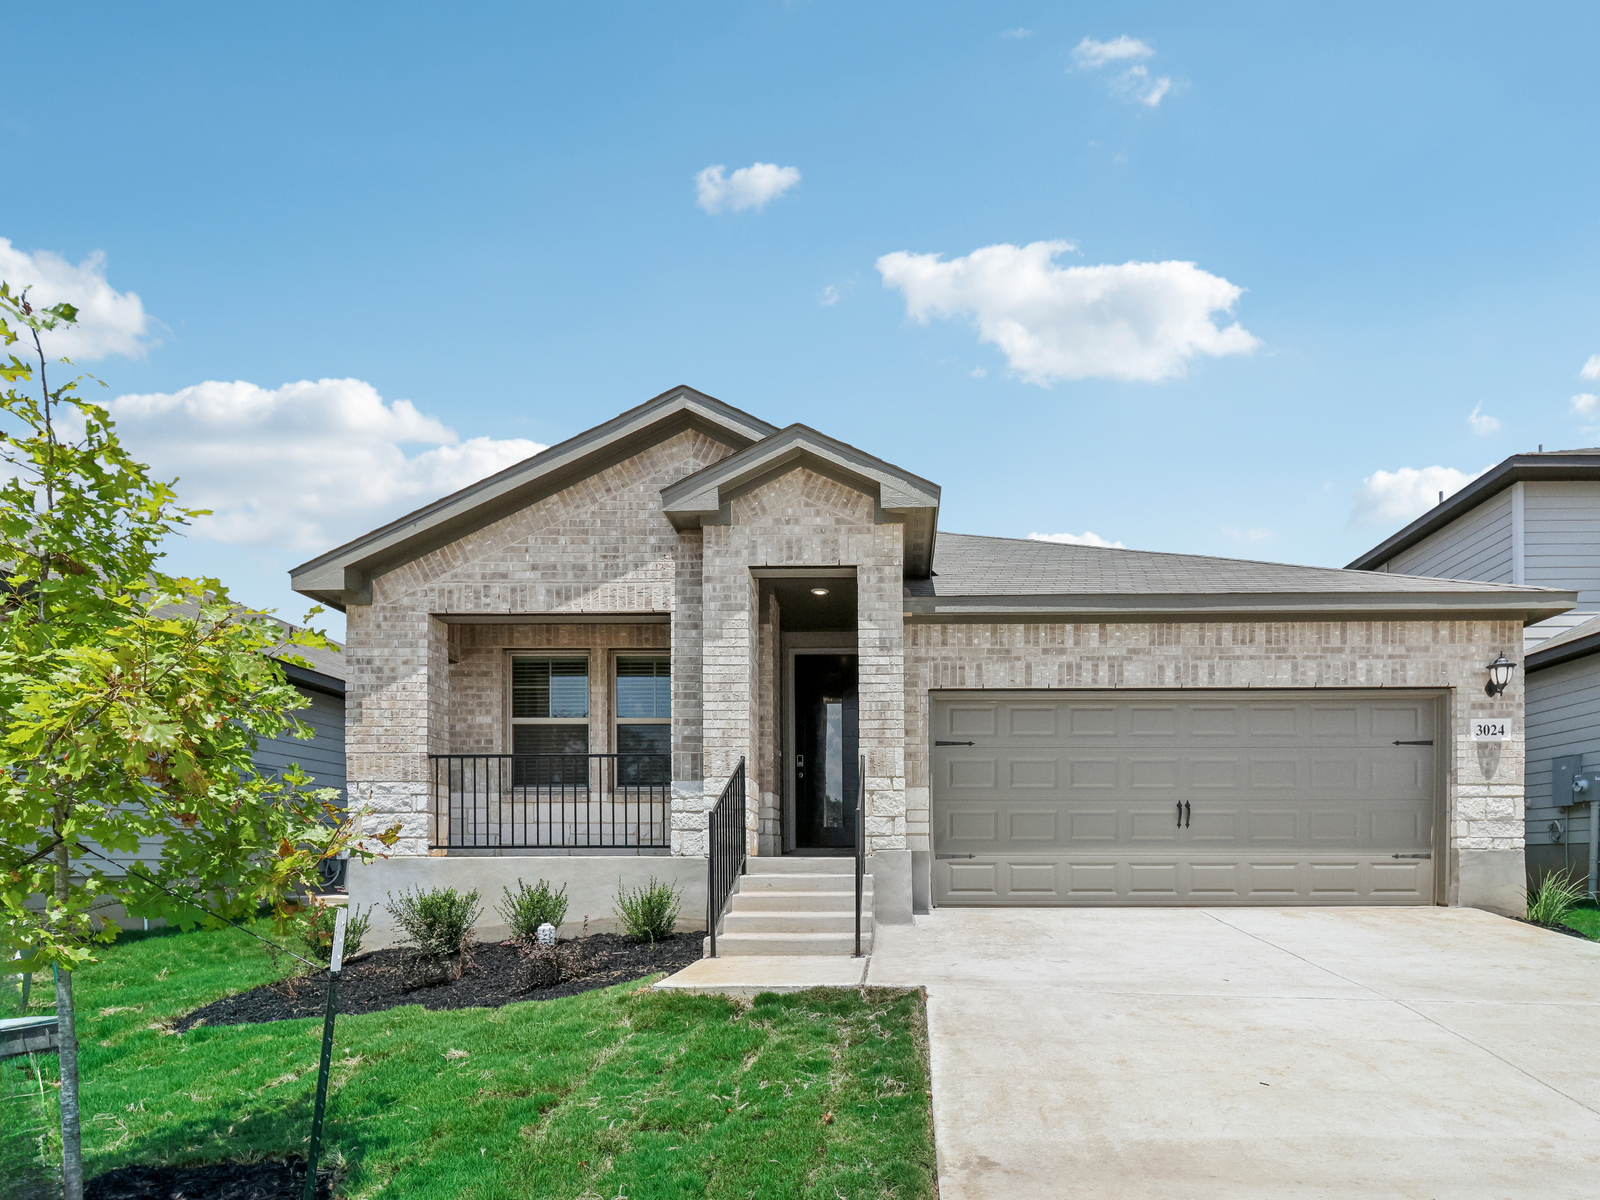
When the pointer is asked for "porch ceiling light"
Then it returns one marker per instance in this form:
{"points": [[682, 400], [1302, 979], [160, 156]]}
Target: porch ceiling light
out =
{"points": [[1499, 675], [819, 591]]}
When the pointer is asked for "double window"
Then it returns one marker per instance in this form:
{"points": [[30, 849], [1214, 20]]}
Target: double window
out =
{"points": [[550, 716]]}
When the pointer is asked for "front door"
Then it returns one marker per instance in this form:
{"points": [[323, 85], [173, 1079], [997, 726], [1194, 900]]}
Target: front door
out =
{"points": [[825, 768]]}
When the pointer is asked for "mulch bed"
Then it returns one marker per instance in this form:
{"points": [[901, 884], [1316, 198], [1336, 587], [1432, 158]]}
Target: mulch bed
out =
{"points": [[216, 1181], [493, 976], [1566, 929]]}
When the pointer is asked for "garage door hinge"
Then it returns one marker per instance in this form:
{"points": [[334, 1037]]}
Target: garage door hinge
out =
{"points": [[1429, 742], [955, 856], [1410, 856], [955, 743]]}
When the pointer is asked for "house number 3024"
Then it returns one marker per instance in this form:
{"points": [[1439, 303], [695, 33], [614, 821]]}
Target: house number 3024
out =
{"points": [[1491, 731]]}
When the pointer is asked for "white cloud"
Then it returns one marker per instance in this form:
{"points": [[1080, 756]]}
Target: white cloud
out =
{"points": [[305, 466], [1482, 425], [1089, 54], [1584, 403], [748, 187], [109, 321], [979, 372], [1591, 369], [1136, 321], [1136, 87], [1017, 33], [830, 296], [1403, 495], [1076, 539], [1247, 535]]}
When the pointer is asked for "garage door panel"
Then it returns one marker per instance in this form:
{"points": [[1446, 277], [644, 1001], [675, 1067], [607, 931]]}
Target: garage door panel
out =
{"points": [[1067, 800]]}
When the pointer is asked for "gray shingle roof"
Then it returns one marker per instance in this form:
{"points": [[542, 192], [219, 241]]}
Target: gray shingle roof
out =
{"points": [[969, 570]]}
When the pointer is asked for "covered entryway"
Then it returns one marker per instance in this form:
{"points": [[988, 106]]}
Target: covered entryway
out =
{"points": [[1185, 797]]}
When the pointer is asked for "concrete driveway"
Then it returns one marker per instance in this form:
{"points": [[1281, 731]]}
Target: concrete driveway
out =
{"points": [[1190, 1053]]}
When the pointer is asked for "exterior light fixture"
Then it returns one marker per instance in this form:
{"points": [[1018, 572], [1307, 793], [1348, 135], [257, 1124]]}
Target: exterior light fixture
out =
{"points": [[819, 591], [1499, 675], [546, 934]]}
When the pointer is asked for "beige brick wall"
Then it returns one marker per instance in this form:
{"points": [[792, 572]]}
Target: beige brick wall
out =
{"points": [[803, 519], [602, 546], [1484, 795]]}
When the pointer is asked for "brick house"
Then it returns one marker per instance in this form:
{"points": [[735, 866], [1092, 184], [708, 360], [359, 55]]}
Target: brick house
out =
{"points": [[552, 674]]}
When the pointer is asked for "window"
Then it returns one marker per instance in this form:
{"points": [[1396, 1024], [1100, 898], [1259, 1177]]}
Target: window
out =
{"points": [[550, 715], [644, 720]]}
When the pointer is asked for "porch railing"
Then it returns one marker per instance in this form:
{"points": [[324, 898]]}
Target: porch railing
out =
{"points": [[725, 850], [551, 801]]}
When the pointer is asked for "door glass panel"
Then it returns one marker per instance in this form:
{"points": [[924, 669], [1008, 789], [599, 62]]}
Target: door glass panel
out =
{"points": [[833, 782]]}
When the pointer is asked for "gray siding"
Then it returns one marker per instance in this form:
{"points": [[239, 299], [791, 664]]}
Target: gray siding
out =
{"points": [[321, 757], [1477, 546], [1563, 717], [1561, 537]]}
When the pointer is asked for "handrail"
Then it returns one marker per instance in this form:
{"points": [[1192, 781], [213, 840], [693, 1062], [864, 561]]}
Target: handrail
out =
{"points": [[861, 843], [725, 849], [536, 801]]}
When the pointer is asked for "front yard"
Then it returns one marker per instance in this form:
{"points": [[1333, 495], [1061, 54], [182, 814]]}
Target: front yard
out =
{"points": [[620, 1092]]}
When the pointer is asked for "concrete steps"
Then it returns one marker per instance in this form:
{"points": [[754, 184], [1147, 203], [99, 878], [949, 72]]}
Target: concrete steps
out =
{"points": [[789, 906]]}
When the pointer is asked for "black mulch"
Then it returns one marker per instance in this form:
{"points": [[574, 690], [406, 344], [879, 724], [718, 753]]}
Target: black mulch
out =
{"points": [[494, 976], [217, 1181]]}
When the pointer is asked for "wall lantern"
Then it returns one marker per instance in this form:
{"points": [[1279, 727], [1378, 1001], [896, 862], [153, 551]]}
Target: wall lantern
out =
{"points": [[819, 591], [1499, 675]]}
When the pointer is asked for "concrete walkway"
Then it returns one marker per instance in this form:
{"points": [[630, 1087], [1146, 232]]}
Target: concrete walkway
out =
{"points": [[1189, 1053]]}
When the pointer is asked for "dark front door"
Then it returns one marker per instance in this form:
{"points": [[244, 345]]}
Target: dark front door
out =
{"points": [[825, 767]]}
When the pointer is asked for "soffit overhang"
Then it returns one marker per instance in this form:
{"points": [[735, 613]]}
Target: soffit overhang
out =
{"points": [[1519, 468], [344, 575], [898, 497]]}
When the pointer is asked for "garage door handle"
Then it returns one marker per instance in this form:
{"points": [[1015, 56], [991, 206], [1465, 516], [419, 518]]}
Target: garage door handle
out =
{"points": [[1180, 814], [1411, 856], [955, 743], [1188, 814], [1429, 742], [955, 856]]}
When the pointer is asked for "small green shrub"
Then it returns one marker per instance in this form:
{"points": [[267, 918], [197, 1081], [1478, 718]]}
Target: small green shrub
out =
{"points": [[1555, 897], [317, 932], [527, 908], [438, 921], [648, 912]]}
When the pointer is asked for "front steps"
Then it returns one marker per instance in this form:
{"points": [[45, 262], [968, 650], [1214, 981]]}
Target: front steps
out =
{"points": [[787, 906]]}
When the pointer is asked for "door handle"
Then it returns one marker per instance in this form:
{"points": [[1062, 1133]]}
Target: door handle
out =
{"points": [[1188, 813], [1180, 814]]}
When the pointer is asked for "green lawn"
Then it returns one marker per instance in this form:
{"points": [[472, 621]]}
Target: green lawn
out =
{"points": [[620, 1092], [1585, 919]]}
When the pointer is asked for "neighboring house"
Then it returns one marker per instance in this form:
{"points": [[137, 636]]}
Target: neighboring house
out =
{"points": [[553, 672], [1533, 519], [320, 756]]}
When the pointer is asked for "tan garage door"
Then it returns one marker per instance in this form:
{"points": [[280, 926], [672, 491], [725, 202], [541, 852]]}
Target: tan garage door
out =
{"points": [[1183, 798]]}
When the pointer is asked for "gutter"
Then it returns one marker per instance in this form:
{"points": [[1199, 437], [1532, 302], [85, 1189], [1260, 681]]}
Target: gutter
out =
{"points": [[1370, 606], [1541, 659]]}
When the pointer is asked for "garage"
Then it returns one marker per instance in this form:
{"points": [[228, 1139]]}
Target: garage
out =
{"points": [[1193, 797]]}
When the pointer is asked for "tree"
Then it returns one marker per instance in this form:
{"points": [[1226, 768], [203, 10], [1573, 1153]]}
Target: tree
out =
{"points": [[130, 704]]}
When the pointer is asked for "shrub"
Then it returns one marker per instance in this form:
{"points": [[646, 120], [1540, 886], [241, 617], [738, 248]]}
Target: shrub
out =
{"points": [[546, 966], [649, 912], [317, 932], [1555, 897], [437, 922], [527, 908]]}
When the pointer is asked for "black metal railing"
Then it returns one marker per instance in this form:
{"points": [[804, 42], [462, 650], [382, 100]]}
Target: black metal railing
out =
{"points": [[861, 845], [547, 801], [725, 850]]}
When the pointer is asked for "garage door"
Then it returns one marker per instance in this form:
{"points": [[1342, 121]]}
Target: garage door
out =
{"points": [[1189, 798]]}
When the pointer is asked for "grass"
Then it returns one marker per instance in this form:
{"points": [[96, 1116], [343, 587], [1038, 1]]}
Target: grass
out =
{"points": [[620, 1092], [1585, 918]]}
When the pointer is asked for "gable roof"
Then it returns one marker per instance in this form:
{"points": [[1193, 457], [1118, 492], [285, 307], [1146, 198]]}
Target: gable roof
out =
{"points": [[985, 577], [1551, 465], [1577, 642], [344, 575], [898, 495]]}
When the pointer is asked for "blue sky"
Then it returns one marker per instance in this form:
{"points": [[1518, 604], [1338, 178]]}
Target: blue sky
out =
{"points": [[490, 212]]}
